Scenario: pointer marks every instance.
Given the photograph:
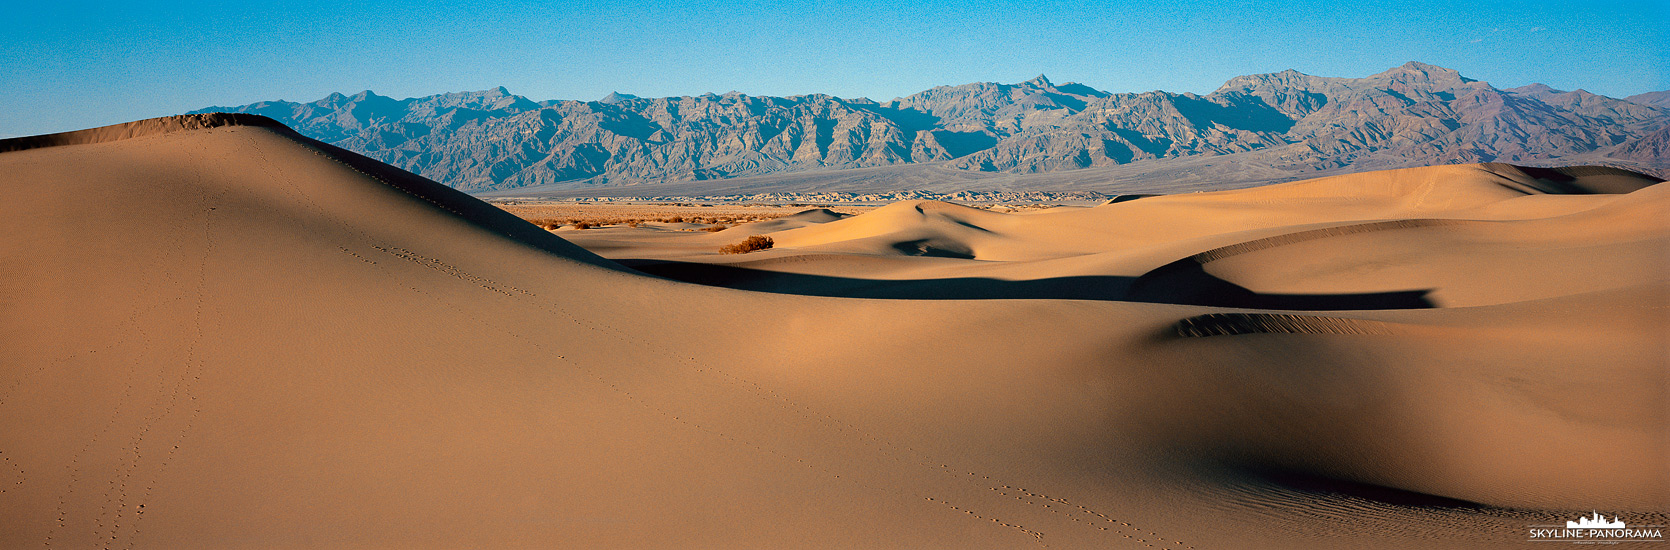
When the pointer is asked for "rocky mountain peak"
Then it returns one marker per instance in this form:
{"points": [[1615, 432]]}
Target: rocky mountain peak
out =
{"points": [[1660, 100], [1535, 88], [1286, 79], [1415, 71], [616, 97]]}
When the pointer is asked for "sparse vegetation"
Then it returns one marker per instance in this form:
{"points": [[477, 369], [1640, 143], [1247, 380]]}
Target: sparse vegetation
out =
{"points": [[715, 228], [549, 224], [751, 244], [552, 216], [582, 225]]}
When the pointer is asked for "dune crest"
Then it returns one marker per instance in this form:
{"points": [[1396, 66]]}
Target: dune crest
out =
{"points": [[140, 128]]}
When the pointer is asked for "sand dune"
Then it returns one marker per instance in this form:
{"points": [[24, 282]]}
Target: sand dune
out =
{"points": [[221, 334], [1452, 236]]}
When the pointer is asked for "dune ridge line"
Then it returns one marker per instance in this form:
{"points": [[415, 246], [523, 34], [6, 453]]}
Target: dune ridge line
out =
{"points": [[140, 128]]}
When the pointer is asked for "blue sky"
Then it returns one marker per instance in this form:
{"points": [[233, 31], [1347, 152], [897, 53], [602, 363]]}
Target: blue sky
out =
{"points": [[70, 64]]}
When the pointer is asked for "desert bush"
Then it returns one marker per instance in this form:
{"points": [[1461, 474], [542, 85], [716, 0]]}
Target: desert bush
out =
{"points": [[582, 225], [546, 223], [676, 219], [715, 228], [632, 223], [756, 242]]}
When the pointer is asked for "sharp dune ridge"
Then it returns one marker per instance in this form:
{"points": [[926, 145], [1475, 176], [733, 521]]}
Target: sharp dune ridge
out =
{"points": [[220, 333], [137, 129]]}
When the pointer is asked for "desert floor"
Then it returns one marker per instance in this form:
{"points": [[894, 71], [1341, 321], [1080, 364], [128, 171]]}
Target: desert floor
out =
{"points": [[220, 334]]}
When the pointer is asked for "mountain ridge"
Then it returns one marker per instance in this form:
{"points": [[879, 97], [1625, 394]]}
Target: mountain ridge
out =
{"points": [[1413, 114]]}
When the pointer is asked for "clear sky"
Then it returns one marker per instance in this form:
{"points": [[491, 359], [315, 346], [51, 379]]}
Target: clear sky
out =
{"points": [[69, 64]]}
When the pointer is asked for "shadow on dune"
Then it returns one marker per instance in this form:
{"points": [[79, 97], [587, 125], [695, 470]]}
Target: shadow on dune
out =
{"points": [[1322, 485], [1171, 285], [1571, 180], [1187, 282]]}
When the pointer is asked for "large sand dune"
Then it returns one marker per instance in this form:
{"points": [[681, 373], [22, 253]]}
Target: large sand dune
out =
{"points": [[220, 334]]}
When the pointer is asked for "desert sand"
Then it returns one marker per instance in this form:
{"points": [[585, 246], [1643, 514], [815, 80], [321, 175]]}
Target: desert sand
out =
{"points": [[220, 334]]}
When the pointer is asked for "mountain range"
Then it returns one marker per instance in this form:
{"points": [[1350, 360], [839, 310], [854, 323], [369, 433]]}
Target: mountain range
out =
{"points": [[1287, 124]]}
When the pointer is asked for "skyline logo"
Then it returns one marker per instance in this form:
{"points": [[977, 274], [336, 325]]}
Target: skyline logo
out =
{"points": [[1596, 528], [1596, 522]]}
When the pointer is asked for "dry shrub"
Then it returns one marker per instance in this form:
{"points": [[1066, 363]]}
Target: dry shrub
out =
{"points": [[582, 225], [676, 219], [632, 223], [715, 228], [756, 242], [546, 223]]}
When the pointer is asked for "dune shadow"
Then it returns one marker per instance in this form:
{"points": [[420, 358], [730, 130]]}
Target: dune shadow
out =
{"points": [[1574, 180], [1187, 282], [924, 247], [1127, 198], [1321, 485], [1179, 286]]}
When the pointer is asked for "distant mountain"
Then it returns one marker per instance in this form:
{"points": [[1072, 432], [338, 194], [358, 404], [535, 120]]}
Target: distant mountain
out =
{"points": [[616, 97], [1650, 150], [1411, 115], [1652, 99]]}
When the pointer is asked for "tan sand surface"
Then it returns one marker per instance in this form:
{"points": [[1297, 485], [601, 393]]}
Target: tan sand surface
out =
{"points": [[219, 334]]}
